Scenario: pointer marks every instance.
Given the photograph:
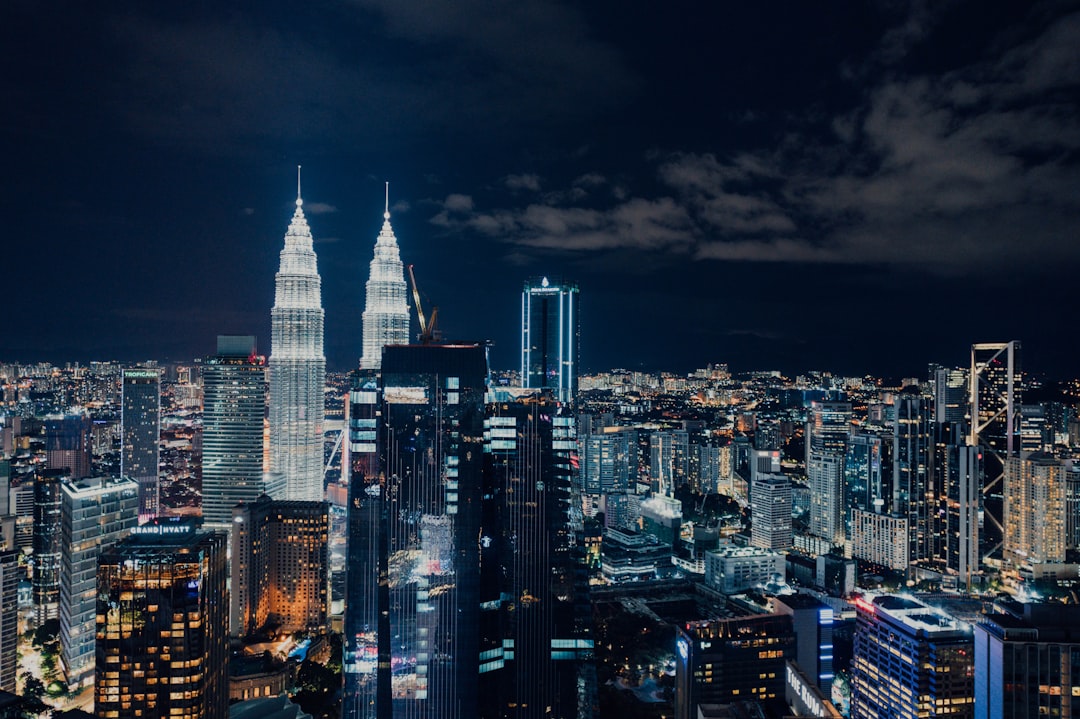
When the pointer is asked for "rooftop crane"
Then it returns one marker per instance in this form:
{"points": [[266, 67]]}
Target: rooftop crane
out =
{"points": [[428, 333]]}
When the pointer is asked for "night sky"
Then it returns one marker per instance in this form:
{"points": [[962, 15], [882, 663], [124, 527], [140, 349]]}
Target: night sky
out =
{"points": [[856, 187]]}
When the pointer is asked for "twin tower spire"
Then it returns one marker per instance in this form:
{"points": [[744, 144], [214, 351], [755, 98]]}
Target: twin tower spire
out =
{"points": [[297, 360]]}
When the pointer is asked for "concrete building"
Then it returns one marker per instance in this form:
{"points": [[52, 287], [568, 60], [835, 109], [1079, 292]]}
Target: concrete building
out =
{"points": [[731, 569]]}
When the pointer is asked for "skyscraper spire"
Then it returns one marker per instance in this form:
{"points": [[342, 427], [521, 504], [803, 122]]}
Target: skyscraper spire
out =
{"points": [[386, 309], [297, 364]]}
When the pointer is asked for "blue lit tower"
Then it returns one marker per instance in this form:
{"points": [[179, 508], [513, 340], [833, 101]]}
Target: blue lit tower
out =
{"points": [[386, 307], [550, 337], [297, 365], [141, 430]]}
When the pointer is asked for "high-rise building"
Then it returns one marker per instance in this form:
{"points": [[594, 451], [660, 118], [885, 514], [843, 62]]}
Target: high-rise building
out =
{"points": [[722, 661], [914, 495], [825, 475], [95, 514], [1034, 510], [958, 471], [910, 660], [950, 393], [609, 462], [536, 644], [10, 574], [550, 337], [141, 435], [827, 426], [162, 610], [995, 399], [234, 400], [770, 502], [813, 624], [47, 544], [386, 307], [279, 566], [865, 485], [412, 617], [669, 455], [297, 365], [67, 444], [1026, 661]]}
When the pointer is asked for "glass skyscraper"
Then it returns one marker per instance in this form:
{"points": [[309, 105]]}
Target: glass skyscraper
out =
{"points": [[550, 337], [233, 402], [141, 430], [386, 306], [297, 366]]}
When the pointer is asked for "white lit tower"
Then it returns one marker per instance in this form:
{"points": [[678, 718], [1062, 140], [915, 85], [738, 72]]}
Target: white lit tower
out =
{"points": [[297, 365], [386, 308]]}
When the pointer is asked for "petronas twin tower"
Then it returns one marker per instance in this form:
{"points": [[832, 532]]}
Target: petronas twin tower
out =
{"points": [[297, 361]]}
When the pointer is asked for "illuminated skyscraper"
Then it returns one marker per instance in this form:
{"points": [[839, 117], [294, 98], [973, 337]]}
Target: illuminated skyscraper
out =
{"points": [[233, 404], [550, 337], [47, 546], [162, 609], [279, 566], [910, 660], [297, 365], [10, 574], [412, 645], [386, 307], [96, 513], [1034, 510], [536, 645], [770, 499], [914, 495], [67, 444], [141, 430]]}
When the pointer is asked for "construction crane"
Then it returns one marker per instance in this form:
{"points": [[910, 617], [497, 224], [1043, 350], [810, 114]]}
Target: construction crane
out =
{"points": [[428, 333]]}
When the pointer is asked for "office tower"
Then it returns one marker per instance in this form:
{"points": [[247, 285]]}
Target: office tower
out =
{"points": [[297, 366], [864, 476], [95, 514], [232, 440], [162, 647], [10, 574], [770, 503], [550, 337], [722, 661], [827, 427], [914, 495], [669, 454], [1072, 507], [994, 400], [957, 473], [950, 393], [536, 645], [1026, 661], [909, 660], [1034, 510], [386, 307], [1035, 432], [279, 567], [47, 545], [608, 463], [67, 444], [412, 646], [141, 435], [813, 623], [825, 474], [731, 569]]}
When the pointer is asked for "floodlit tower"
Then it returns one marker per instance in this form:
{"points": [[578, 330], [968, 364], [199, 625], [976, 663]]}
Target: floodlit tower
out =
{"points": [[297, 365], [995, 426], [549, 337], [386, 308], [141, 429]]}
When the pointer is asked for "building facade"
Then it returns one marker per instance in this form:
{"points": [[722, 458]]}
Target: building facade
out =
{"points": [[279, 567], [96, 513], [297, 366], [770, 503], [550, 337], [1034, 510], [234, 400], [47, 544], [910, 660], [386, 307], [141, 435], [162, 646]]}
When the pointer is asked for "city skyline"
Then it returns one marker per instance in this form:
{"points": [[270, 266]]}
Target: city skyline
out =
{"points": [[850, 188]]}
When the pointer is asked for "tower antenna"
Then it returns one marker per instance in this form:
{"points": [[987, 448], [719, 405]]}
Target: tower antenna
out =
{"points": [[386, 211], [298, 200]]}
